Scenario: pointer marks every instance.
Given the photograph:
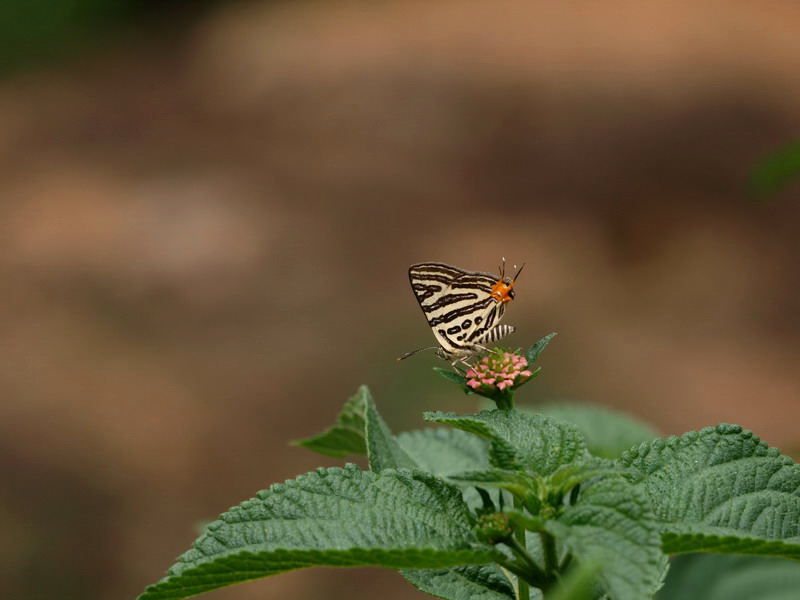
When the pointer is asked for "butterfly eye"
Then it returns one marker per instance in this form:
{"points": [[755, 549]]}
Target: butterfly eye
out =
{"points": [[511, 294]]}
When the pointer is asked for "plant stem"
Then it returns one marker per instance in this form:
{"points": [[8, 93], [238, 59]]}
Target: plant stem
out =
{"points": [[524, 576], [523, 591], [537, 575], [519, 547], [505, 401], [565, 563], [550, 554], [520, 519]]}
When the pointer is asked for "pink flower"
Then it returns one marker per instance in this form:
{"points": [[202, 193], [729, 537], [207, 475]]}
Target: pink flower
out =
{"points": [[501, 371]]}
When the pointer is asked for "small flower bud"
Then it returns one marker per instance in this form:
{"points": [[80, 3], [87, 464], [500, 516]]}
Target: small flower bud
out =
{"points": [[493, 528]]}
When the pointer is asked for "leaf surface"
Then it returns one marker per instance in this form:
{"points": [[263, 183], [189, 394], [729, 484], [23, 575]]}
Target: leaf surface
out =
{"points": [[454, 377], [520, 440], [347, 436], [335, 517], [721, 490], [613, 527], [383, 450], [721, 577], [608, 433], [536, 350], [472, 582], [444, 452]]}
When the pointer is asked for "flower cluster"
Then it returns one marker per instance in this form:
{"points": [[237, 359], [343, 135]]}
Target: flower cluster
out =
{"points": [[498, 371], [494, 528]]}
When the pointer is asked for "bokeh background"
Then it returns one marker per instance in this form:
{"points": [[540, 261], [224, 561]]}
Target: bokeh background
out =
{"points": [[207, 211]]}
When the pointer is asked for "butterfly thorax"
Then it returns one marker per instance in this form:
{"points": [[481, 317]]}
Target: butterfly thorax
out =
{"points": [[502, 290]]}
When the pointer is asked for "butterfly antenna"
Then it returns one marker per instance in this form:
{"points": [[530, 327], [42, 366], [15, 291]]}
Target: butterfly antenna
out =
{"points": [[517, 273], [412, 353], [502, 268]]}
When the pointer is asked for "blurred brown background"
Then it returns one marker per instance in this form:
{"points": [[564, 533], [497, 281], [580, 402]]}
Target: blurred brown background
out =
{"points": [[206, 218]]}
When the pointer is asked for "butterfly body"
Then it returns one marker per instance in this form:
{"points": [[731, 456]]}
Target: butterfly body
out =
{"points": [[463, 308]]}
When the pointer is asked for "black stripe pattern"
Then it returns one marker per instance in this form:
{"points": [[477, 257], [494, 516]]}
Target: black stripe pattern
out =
{"points": [[459, 307]]}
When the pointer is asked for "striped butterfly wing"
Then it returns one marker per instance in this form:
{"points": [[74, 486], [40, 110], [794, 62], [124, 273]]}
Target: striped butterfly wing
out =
{"points": [[458, 306]]}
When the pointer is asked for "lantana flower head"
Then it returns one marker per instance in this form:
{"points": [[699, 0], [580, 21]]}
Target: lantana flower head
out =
{"points": [[499, 371]]}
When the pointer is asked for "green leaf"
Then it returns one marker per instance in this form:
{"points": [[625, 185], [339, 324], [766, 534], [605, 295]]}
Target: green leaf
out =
{"points": [[359, 429], [484, 582], [719, 577], [723, 490], [578, 584], [520, 440], [613, 525], [454, 377], [335, 517], [518, 483], [608, 433], [382, 448], [698, 537], [538, 348], [445, 452], [347, 436], [776, 170], [568, 476]]}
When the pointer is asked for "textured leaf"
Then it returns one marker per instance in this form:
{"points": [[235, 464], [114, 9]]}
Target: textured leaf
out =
{"points": [[359, 429], [454, 377], [444, 452], [613, 525], [382, 448], [520, 440], [335, 517], [518, 483], [719, 577], [608, 433], [347, 436], [484, 582], [578, 584], [721, 489], [698, 537], [538, 348], [568, 476], [499, 477]]}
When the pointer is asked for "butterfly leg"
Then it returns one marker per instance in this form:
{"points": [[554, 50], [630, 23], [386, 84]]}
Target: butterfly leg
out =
{"points": [[461, 360]]}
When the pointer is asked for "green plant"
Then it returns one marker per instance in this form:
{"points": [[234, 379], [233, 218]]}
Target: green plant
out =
{"points": [[510, 503], [775, 171]]}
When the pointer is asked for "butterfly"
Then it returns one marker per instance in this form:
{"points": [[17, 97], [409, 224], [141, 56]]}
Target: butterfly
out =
{"points": [[463, 308]]}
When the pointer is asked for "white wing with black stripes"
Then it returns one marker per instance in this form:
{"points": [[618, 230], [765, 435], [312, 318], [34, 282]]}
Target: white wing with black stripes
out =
{"points": [[463, 308]]}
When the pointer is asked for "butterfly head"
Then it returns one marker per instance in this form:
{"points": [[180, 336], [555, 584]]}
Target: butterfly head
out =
{"points": [[503, 290]]}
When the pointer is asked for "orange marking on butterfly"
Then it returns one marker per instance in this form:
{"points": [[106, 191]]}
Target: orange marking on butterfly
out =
{"points": [[501, 291]]}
